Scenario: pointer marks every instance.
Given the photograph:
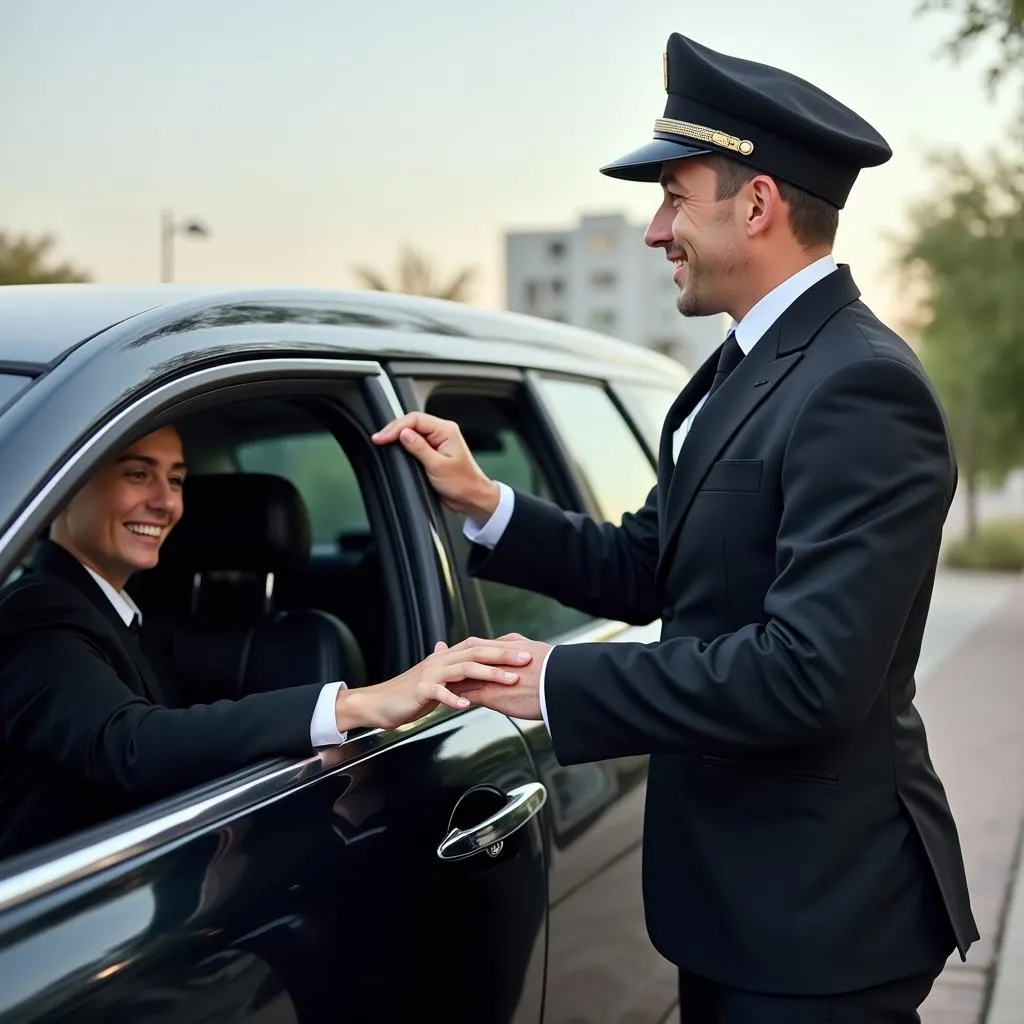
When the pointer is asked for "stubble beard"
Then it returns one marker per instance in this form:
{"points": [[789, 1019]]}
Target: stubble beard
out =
{"points": [[694, 301]]}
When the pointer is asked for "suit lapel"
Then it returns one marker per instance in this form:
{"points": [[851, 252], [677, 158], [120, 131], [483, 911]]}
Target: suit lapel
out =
{"points": [[52, 558], [750, 384]]}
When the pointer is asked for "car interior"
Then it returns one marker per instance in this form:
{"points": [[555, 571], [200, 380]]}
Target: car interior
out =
{"points": [[273, 577]]}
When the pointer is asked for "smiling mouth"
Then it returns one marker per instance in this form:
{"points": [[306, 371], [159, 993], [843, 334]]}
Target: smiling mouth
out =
{"points": [[145, 530]]}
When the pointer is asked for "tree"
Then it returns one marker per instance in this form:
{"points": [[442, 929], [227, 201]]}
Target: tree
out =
{"points": [[965, 254], [416, 277], [986, 19], [23, 260]]}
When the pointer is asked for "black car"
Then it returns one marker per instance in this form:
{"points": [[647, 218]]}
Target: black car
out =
{"points": [[450, 869]]}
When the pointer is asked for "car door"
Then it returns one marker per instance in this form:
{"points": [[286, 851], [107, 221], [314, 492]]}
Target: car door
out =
{"points": [[554, 437], [399, 876]]}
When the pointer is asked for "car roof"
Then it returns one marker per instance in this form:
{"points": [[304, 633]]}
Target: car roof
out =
{"points": [[40, 324]]}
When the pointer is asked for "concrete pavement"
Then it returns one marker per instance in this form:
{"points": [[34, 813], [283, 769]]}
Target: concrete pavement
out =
{"points": [[971, 695]]}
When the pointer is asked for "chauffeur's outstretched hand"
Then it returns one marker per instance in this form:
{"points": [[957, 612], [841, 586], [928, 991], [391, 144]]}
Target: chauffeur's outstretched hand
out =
{"points": [[450, 467], [520, 699]]}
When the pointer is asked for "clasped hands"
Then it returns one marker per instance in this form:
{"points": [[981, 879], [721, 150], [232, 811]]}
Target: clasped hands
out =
{"points": [[517, 698], [502, 674]]}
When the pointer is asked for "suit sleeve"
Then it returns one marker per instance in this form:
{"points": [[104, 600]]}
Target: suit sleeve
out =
{"points": [[601, 569], [60, 699], [867, 479]]}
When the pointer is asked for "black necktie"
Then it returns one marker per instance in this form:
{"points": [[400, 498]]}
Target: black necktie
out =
{"points": [[728, 359]]}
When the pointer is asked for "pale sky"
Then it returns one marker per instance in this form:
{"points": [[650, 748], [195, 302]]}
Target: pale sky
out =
{"points": [[311, 136]]}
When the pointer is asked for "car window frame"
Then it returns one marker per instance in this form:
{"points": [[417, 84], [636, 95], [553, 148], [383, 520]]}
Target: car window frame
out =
{"points": [[605, 384], [618, 386], [52, 866], [416, 381]]}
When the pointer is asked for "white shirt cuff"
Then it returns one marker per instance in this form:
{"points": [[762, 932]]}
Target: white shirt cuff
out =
{"points": [[488, 534], [543, 701], [323, 730]]}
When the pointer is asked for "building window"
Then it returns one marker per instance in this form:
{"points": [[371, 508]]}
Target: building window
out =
{"points": [[556, 250], [602, 242], [557, 286], [531, 293], [603, 320], [604, 279]]}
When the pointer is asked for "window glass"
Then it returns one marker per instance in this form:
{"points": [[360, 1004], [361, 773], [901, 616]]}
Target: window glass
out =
{"points": [[600, 441], [492, 427], [648, 404], [327, 482]]}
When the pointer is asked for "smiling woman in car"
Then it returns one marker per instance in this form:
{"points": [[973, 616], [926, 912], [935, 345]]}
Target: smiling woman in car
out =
{"points": [[90, 728]]}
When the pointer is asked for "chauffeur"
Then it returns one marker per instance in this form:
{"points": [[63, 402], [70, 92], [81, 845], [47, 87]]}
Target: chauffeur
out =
{"points": [[87, 729], [800, 861]]}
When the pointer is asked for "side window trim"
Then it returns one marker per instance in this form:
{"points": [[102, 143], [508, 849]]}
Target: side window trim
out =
{"points": [[620, 389], [499, 382], [533, 383]]}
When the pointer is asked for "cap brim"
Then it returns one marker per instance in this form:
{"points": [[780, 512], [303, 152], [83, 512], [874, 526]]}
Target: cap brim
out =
{"points": [[644, 164]]}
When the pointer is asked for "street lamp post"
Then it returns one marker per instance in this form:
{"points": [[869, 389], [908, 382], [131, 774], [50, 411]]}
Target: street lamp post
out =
{"points": [[168, 229]]}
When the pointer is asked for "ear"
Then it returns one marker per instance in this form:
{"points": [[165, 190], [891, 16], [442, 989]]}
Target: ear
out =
{"points": [[765, 205]]}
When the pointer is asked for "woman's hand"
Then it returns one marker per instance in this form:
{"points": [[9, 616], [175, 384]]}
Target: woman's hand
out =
{"points": [[420, 689]]}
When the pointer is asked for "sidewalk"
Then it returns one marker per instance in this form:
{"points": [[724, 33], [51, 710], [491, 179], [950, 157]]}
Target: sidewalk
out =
{"points": [[973, 707]]}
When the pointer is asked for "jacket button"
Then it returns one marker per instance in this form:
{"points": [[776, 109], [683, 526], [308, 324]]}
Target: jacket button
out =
{"points": [[668, 612]]}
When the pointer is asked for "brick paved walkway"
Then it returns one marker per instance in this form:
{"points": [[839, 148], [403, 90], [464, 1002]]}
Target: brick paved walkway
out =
{"points": [[973, 707]]}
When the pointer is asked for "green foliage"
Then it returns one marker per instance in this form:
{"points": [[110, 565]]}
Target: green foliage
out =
{"points": [[998, 20], [997, 547], [23, 260], [416, 276], [965, 260]]}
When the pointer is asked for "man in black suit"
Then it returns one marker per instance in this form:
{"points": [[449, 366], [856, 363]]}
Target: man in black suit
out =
{"points": [[88, 728], [800, 860]]}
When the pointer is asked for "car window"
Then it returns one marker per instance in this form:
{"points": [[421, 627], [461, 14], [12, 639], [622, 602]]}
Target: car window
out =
{"points": [[255, 615], [495, 428], [648, 404], [601, 443], [326, 482]]}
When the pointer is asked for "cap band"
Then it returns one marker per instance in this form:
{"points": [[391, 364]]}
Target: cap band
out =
{"points": [[689, 130]]}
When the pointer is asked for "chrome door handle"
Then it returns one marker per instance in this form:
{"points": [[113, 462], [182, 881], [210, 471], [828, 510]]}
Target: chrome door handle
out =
{"points": [[523, 803]]}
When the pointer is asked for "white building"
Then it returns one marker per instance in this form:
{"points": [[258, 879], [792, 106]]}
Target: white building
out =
{"points": [[600, 275]]}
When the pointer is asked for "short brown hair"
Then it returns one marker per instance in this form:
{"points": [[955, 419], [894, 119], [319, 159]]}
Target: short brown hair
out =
{"points": [[813, 221]]}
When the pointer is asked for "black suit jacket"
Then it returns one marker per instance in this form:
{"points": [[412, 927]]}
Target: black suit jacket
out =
{"points": [[85, 734], [797, 838]]}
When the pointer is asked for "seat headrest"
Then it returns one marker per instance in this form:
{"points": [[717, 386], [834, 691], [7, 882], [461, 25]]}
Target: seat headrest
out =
{"points": [[252, 522]]}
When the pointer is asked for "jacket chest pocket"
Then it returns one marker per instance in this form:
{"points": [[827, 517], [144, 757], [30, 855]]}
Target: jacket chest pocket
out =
{"points": [[754, 769], [735, 476]]}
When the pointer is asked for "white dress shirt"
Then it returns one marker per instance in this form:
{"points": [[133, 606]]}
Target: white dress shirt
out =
{"points": [[749, 331], [323, 729]]}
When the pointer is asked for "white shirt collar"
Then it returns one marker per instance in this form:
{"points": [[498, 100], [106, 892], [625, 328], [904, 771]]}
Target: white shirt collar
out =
{"points": [[123, 604], [753, 327]]}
